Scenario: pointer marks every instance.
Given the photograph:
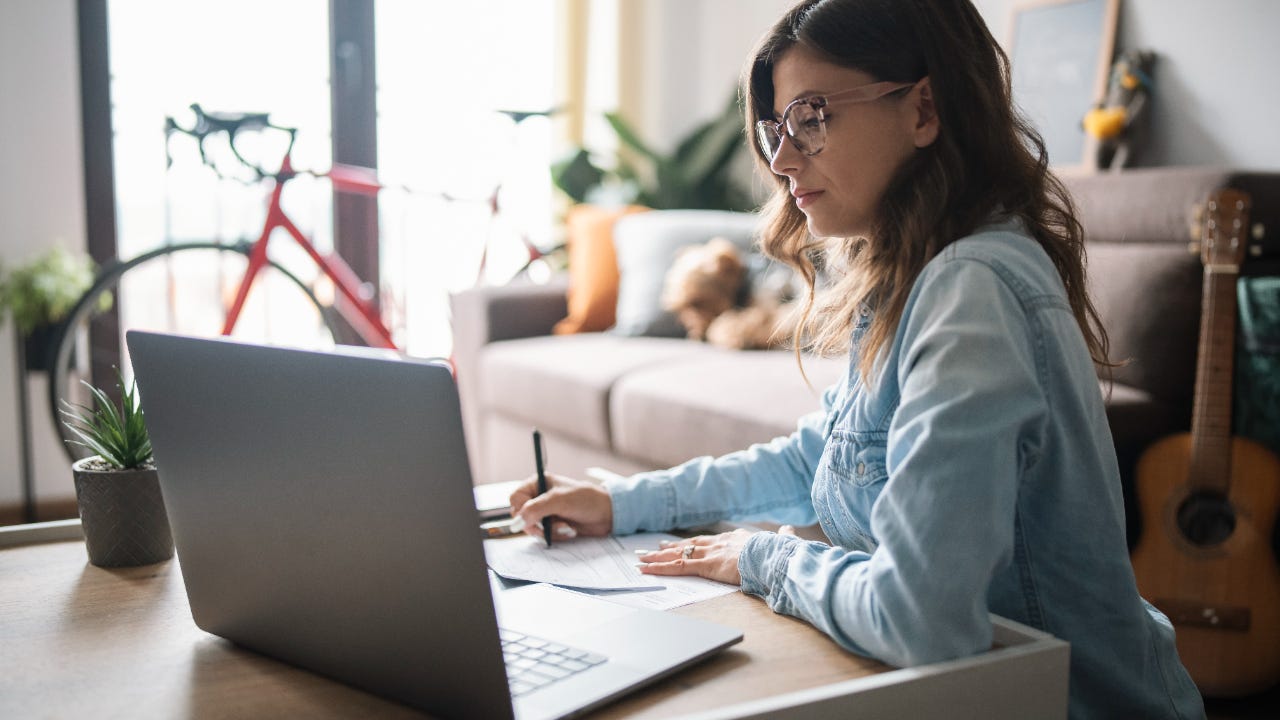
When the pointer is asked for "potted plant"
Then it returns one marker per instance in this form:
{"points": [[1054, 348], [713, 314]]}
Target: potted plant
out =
{"points": [[41, 293], [698, 174], [118, 489]]}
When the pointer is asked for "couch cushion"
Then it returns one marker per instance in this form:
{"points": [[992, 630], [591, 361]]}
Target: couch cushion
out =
{"points": [[1155, 205], [646, 245], [714, 404], [593, 268], [562, 382], [1148, 295]]}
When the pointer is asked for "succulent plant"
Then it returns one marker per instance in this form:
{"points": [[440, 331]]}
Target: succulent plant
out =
{"points": [[118, 435]]}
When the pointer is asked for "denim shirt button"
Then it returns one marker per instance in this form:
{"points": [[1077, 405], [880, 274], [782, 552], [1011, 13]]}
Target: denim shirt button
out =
{"points": [[861, 469]]}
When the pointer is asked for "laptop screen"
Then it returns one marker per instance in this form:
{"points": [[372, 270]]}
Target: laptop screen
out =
{"points": [[317, 501]]}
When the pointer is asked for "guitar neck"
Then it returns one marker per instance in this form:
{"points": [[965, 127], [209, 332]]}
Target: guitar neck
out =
{"points": [[1223, 249], [1211, 414]]}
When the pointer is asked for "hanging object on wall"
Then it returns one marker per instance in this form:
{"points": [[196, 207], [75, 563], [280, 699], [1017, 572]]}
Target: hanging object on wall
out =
{"points": [[1059, 55], [1119, 122]]}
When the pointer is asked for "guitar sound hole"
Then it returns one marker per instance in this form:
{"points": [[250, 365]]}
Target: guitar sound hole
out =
{"points": [[1206, 519]]}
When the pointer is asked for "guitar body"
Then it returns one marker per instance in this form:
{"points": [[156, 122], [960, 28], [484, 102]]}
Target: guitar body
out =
{"points": [[1207, 562]]}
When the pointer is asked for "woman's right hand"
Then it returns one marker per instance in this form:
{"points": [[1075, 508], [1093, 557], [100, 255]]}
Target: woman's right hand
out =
{"points": [[579, 507]]}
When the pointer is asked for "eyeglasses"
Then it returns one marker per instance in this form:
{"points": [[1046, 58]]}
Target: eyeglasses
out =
{"points": [[805, 121]]}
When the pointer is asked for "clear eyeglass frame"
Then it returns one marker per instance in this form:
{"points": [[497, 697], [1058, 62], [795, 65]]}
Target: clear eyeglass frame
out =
{"points": [[804, 120]]}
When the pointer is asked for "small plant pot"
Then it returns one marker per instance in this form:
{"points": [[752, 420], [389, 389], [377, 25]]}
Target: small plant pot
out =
{"points": [[36, 347], [123, 515]]}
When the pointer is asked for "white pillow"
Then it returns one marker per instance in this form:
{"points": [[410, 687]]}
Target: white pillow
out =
{"points": [[646, 246]]}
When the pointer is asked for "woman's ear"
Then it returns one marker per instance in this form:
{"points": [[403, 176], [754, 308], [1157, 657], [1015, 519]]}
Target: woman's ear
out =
{"points": [[925, 114]]}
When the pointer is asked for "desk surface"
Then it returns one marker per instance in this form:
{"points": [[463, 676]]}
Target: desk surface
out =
{"points": [[80, 641]]}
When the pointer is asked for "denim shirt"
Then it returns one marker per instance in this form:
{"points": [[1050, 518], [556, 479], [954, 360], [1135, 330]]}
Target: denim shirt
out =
{"points": [[974, 474]]}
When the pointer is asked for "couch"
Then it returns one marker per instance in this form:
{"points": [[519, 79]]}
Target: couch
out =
{"points": [[628, 402]]}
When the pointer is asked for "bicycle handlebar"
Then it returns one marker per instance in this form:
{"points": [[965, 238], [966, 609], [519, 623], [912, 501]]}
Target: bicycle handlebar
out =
{"points": [[345, 178], [213, 123]]}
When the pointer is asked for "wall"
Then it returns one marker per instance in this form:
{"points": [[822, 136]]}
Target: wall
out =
{"points": [[686, 64], [41, 202], [692, 55], [1215, 101]]}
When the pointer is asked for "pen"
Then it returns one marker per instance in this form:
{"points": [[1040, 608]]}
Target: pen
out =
{"points": [[542, 482]]}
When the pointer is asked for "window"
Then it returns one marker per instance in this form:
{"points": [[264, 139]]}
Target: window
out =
{"points": [[444, 72], [240, 56]]}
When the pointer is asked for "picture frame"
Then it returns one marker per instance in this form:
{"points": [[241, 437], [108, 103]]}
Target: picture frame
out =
{"points": [[1060, 54]]}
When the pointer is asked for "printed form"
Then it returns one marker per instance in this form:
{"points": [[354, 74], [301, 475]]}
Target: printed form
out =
{"points": [[602, 567], [582, 563]]}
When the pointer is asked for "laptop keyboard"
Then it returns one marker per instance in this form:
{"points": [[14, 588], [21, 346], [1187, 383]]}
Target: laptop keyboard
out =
{"points": [[534, 663]]}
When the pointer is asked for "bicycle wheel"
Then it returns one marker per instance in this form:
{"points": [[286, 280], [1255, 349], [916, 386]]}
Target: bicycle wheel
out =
{"points": [[185, 288]]}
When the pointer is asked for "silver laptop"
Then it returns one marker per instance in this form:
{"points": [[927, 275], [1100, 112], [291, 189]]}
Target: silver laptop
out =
{"points": [[323, 513]]}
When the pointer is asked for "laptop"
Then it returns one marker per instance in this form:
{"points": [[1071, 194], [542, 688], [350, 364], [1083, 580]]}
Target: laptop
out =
{"points": [[322, 508]]}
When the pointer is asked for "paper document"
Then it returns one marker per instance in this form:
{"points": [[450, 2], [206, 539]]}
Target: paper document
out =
{"points": [[585, 563], [681, 589], [602, 567]]}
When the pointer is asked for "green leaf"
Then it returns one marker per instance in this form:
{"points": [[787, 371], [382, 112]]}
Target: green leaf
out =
{"points": [[46, 289], [718, 143], [697, 174], [577, 175], [629, 137], [119, 435]]}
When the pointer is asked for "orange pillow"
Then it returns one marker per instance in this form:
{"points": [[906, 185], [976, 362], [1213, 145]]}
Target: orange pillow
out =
{"points": [[593, 268]]}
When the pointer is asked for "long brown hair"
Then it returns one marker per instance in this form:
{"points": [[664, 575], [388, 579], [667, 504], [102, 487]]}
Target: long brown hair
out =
{"points": [[986, 159]]}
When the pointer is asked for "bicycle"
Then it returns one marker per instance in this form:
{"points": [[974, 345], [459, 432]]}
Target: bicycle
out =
{"points": [[211, 266], [240, 267]]}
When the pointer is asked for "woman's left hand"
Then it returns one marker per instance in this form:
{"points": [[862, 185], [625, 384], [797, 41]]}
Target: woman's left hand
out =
{"points": [[714, 557]]}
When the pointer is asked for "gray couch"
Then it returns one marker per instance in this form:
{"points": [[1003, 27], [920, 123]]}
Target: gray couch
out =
{"points": [[630, 403]]}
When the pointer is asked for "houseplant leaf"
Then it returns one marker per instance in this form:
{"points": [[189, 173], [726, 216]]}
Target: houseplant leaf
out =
{"points": [[577, 175], [118, 435], [629, 138]]}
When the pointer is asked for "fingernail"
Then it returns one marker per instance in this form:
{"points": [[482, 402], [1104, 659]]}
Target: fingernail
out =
{"points": [[643, 552], [566, 531], [517, 525]]}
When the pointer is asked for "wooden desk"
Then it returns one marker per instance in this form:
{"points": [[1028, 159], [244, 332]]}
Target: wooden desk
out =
{"points": [[81, 641]]}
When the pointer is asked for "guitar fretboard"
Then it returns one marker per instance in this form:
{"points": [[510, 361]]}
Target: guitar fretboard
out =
{"points": [[1222, 252], [1211, 416]]}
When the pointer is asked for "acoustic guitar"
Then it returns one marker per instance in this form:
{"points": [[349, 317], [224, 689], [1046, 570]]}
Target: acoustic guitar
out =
{"points": [[1209, 500]]}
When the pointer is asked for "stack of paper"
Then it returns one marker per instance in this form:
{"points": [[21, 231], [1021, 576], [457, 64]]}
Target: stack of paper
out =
{"points": [[605, 567]]}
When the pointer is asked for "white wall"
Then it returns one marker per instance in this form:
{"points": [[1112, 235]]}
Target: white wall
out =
{"points": [[1216, 100], [41, 198], [694, 52], [691, 55]]}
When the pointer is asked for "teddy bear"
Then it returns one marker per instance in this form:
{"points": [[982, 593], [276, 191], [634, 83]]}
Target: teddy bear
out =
{"points": [[719, 299], [1115, 122]]}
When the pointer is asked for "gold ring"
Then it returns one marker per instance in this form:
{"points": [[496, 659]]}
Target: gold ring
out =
{"points": [[687, 552]]}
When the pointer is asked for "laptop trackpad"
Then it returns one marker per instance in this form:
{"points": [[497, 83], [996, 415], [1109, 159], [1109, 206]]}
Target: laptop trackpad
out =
{"points": [[545, 610], [633, 636], [641, 645]]}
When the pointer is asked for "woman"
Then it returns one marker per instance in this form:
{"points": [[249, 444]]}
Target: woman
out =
{"points": [[964, 465]]}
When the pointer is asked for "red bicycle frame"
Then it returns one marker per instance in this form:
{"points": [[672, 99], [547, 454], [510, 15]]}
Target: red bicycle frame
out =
{"points": [[365, 320]]}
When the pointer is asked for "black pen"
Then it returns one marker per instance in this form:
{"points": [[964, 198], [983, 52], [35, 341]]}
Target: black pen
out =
{"points": [[542, 482]]}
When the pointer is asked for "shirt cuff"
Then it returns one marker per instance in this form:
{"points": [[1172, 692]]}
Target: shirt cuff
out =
{"points": [[641, 502], [763, 562]]}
